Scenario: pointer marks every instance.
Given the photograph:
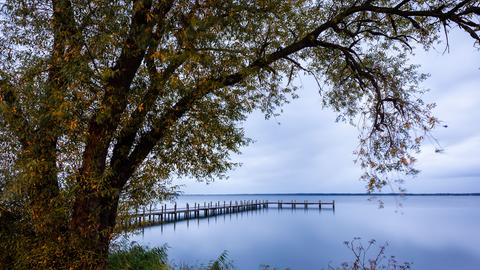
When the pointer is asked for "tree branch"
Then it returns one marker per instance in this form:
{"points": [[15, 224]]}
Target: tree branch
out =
{"points": [[148, 140], [451, 15], [104, 122], [127, 134]]}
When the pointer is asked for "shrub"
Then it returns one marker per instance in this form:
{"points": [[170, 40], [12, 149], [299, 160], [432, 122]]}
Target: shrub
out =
{"points": [[136, 257]]}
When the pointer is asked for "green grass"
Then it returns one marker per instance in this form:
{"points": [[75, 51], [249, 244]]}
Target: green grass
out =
{"points": [[135, 257]]}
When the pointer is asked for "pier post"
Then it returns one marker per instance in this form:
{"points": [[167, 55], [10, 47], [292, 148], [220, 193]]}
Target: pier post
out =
{"points": [[161, 214], [136, 215]]}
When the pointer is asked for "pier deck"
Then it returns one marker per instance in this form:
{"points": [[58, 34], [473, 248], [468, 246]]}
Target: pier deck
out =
{"points": [[150, 216]]}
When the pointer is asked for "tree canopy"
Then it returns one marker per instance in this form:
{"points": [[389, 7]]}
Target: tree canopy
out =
{"points": [[103, 102]]}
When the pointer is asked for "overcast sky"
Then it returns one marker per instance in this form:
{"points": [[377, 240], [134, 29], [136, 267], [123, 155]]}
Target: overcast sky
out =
{"points": [[309, 152]]}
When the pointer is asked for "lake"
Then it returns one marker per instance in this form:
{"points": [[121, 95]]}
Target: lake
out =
{"points": [[432, 232]]}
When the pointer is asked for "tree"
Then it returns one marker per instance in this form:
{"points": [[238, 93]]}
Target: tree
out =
{"points": [[102, 102]]}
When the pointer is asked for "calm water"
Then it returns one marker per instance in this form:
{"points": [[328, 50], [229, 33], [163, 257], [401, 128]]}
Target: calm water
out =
{"points": [[433, 232]]}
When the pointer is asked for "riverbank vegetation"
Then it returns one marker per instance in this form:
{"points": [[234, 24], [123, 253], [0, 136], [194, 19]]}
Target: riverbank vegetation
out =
{"points": [[135, 257], [132, 256]]}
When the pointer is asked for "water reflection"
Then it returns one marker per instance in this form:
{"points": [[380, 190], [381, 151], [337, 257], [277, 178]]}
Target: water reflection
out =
{"points": [[431, 232]]}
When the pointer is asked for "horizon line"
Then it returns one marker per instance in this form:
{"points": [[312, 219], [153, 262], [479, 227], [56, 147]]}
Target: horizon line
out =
{"points": [[337, 194]]}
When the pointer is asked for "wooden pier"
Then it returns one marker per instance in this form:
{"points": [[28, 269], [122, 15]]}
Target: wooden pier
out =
{"points": [[150, 216]]}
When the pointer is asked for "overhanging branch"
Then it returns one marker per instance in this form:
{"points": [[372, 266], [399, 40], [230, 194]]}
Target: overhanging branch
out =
{"points": [[149, 139]]}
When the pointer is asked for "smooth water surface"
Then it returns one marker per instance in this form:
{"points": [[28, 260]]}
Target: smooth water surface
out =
{"points": [[432, 232]]}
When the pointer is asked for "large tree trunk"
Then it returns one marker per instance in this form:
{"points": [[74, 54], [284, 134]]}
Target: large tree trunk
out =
{"points": [[91, 227], [65, 234]]}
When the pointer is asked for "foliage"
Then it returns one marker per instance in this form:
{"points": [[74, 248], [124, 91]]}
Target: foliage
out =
{"points": [[135, 257], [14, 230], [223, 262], [364, 261], [102, 103]]}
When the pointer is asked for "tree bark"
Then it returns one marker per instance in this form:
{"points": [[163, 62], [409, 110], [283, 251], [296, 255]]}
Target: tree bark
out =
{"points": [[91, 229]]}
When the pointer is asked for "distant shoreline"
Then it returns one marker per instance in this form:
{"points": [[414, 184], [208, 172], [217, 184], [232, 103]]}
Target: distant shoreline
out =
{"points": [[336, 194]]}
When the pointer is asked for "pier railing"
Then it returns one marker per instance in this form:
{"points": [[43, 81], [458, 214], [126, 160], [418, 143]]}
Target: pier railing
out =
{"points": [[149, 216]]}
